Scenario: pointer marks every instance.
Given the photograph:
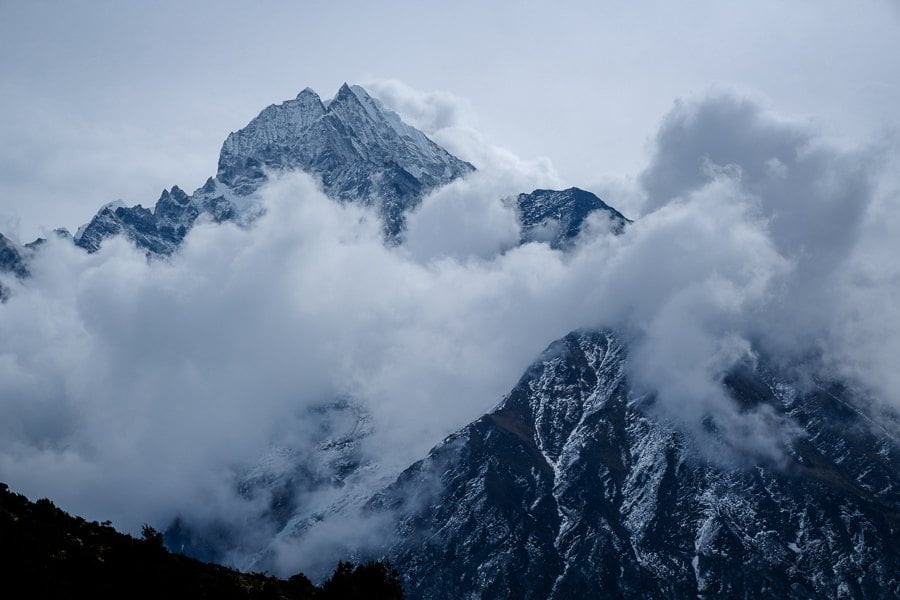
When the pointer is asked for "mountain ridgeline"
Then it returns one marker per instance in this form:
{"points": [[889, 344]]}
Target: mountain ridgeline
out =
{"points": [[46, 553], [361, 151], [575, 485]]}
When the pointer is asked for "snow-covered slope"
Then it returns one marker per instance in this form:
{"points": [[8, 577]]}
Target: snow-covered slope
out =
{"points": [[557, 217], [160, 231], [572, 487], [362, 151]]}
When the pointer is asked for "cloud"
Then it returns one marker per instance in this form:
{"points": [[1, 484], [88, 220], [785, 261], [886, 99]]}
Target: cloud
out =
{"points": [[154, 381], [451, 122], [814, 197], [138, 391], [428, 111], [472, 217], [864, 334]]}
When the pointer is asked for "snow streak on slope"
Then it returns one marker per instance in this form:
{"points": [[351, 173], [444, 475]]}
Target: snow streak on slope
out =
{"points": [[573, 485]]}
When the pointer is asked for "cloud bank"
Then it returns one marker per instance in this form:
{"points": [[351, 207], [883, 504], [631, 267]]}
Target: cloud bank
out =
{"points": [[137, 390]]}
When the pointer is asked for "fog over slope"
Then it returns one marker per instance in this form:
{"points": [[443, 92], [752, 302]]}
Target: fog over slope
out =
{"points": [[136, 390]]}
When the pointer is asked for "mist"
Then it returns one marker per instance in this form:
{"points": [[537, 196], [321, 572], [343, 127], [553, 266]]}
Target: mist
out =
{"points": [[138, 390]]}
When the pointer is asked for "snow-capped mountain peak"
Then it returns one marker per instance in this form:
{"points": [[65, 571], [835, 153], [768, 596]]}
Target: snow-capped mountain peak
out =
{"points": [[362, 152]]}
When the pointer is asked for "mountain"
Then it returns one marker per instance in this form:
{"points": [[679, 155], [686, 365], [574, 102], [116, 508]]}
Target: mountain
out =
{"points": [[557, 217], [160, 231], [574, 486], [13, 258], [362, 152]]}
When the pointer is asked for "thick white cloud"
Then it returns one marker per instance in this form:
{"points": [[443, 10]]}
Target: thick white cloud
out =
{"points": [[472, 217], [152, 380]]}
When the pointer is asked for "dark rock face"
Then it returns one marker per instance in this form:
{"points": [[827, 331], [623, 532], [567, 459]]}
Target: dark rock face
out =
{"points": [[159, 232], [363, 152], [573, 488], [557, 216], [12, 258], [137, 222]]}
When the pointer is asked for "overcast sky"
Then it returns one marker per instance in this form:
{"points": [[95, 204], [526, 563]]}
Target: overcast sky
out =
{"points": [[105, 100]]}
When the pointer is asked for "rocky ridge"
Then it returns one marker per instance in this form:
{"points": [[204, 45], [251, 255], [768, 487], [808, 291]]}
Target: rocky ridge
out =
{"points": [[574, 485], [362, 152]]}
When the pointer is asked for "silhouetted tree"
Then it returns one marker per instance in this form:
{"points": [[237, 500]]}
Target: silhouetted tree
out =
{"points": [[375, 580], [54, 555], [152, 536]]}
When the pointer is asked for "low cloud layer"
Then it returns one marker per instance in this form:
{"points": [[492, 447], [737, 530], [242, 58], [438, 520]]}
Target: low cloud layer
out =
{"points": [[135, 391]]}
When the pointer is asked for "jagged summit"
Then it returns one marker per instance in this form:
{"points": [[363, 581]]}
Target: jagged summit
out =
{"points": [[159, 231], [362, 151]]}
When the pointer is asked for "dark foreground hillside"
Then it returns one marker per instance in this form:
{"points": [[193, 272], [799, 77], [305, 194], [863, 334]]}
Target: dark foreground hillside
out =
{"points": [[46, 553]]}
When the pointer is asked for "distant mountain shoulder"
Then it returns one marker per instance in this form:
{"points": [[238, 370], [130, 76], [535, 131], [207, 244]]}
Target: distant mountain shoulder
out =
{"points": [[557, 217], [362, 151]]}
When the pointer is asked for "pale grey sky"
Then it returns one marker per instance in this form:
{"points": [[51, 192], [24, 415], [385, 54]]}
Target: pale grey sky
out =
{"points": [[108, 99]]}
